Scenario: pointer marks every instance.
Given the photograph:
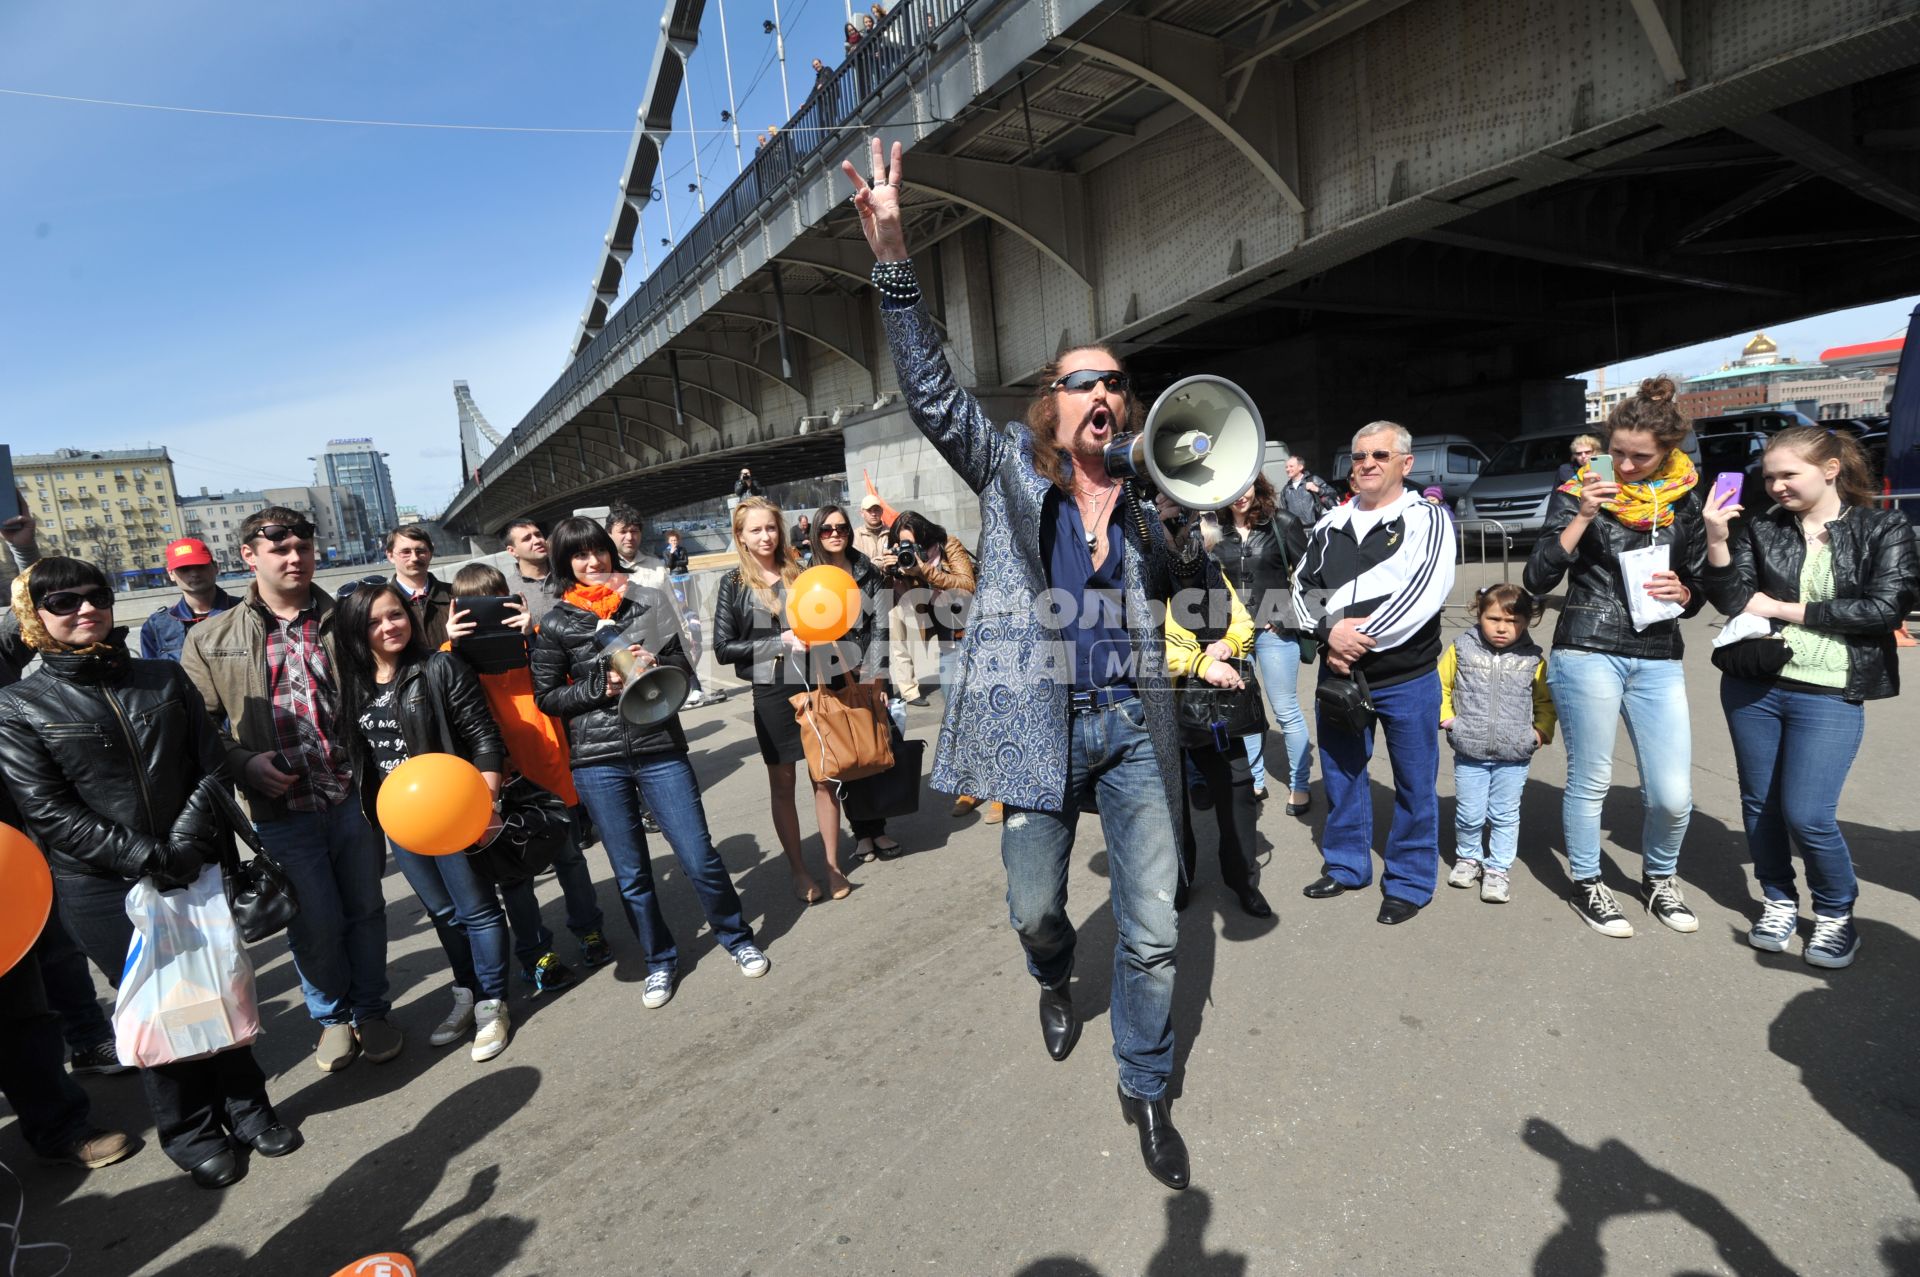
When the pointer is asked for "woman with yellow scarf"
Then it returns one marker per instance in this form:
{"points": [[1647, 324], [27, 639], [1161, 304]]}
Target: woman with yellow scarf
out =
{"points": [[1632, 546]]}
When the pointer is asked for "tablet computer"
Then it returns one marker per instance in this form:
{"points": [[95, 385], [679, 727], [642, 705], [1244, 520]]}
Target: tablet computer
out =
{"points": [[496, 644]]}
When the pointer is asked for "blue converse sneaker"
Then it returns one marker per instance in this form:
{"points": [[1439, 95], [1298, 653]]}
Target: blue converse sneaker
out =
{"points": [[658, 991], [752, 962], [1778, 921], [1835, 941]]}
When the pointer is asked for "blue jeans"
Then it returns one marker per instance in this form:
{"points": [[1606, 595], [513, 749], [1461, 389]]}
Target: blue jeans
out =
{"points": [[467, 916], [613, 793], [1278, 660], [1487, 794], [1109, 755], [1410, 716], [1792, 750], [531, 937], [1591, 691], [339, 936]]}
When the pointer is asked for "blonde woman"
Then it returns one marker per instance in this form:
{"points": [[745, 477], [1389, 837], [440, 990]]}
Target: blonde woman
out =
{"points": [[750, 633], [1579, 452]]}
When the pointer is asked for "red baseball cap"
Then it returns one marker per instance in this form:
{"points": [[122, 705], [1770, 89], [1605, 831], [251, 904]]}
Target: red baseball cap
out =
{"points": [[188, 552]]}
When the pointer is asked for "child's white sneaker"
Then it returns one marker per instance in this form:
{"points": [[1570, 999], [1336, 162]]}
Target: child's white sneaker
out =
{"points": [[1493, 887], [1465, 873]]}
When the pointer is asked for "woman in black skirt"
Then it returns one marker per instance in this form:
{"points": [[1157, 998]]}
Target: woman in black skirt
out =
{"points": [[750, 632]]}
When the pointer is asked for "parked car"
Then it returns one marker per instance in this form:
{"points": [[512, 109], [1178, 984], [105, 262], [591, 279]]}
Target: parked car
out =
{"points": [[1766, 421], [1514, 485], [1450, 461]]}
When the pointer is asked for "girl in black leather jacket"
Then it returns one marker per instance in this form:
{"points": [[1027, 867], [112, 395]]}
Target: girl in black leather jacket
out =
{"points": [[864, 645], [398, 699], [1260, 544], [112, 762], [1833, 577], [1605, 537]]}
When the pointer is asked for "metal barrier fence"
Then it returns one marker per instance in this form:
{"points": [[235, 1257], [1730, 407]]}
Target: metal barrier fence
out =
{"points": [[1506, 544]]}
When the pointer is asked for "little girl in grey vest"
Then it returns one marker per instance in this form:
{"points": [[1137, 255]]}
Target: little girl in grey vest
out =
{"points": [[1496, 710]]}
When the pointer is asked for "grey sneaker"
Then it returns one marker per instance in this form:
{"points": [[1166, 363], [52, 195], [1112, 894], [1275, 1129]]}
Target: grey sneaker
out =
{"points": [[1665, 903], [1466, 872], [1493, 887], [459, 1020], [1598, 909], [337, 1048], [1835, 941], [658, 991], [752, 962], [1778, 921]]}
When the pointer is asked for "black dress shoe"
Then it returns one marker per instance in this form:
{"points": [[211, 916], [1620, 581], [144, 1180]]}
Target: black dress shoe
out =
{"points": [[1325, 887], [1181, 894], [1394, 910], [1161, 1147], [276, 1141], [218, 1171], [1254, 903], [1059, 1026]]}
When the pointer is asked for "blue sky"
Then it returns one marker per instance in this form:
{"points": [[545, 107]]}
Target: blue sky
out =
{"points": [[242, 290]]}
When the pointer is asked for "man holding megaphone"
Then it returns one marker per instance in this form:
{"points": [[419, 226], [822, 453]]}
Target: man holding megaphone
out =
{"points": [[1054, 708]]}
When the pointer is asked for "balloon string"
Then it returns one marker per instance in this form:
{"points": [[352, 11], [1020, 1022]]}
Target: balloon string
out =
{"points": [[17, 1247]]}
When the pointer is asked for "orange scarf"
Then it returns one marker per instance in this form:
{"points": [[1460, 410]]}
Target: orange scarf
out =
{"points": [[597, 599]]}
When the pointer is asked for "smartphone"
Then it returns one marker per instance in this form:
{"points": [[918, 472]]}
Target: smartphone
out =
{"points": [[9, 495], [1726, 486], [282, 763], [1602, 468]]}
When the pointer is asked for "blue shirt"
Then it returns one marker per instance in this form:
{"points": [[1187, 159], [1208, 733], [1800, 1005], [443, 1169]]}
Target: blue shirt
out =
{"points": [[165, 632], [1102, 647]]}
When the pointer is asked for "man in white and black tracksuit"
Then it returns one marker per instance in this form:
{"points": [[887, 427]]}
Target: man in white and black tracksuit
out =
{"points": [[1376, 573]]}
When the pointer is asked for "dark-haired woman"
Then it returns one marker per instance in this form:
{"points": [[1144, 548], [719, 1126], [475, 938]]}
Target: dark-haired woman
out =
{"points": [[1836, 576], [1260, 544], [112, 763], [616, 765], [864, 645], [401, 699], [1608, 539]]}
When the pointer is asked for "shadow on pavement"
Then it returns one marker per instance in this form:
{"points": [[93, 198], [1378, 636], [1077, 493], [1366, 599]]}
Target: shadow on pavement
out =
{"points": [[1609, 1180], [1182, 1254]]}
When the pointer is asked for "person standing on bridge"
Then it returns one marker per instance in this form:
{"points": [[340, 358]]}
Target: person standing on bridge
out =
{"points": [[1049, 712], [1838, 576], [190, 566], [410, 550], [1613, 659]]}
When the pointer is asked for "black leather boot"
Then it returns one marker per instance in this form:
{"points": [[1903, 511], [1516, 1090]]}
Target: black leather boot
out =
{"points": [[1161, 1147], [1059, 1026]]}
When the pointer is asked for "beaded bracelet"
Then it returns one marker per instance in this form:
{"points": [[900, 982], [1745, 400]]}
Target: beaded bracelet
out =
{"points": [[896, 281]]}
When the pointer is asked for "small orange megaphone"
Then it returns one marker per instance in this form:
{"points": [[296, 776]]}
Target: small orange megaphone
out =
{"points": [[385, 1264]]}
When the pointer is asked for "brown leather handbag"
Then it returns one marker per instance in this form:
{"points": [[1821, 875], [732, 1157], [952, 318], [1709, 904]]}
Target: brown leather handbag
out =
{"points": [[845, 730]]}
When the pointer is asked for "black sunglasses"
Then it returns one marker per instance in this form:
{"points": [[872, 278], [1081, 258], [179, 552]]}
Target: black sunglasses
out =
{"points": [[353, 585], [835, 529], [1381, 455], [67, 602], [278, 532], [1087, 378]]}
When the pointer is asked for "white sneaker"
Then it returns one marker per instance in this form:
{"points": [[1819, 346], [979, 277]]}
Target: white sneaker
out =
{"points": [[1598, 909], [490, 1039], [1494, 889], [752, 962], [458, 1020], [658, 991], [693, 698], [1466, 872]]}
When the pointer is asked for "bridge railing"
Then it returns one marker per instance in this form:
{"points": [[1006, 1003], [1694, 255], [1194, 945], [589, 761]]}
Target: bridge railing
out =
{"points": [[826, 113]]}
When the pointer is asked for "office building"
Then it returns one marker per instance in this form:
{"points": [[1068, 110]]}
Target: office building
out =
{"points": [[116, 508], [356, 466]]}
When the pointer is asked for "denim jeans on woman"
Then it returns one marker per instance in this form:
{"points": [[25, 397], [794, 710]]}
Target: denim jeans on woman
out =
{"points": [[1278, 660], [612, 794], [1793, 750], [334, 859], [1409, 717], [1109, 756], [1486, 795], [467, 916], [1592, 691]]}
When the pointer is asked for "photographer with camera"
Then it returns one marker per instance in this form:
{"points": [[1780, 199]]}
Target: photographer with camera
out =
{"points": [[933, 578], [745, 487]]}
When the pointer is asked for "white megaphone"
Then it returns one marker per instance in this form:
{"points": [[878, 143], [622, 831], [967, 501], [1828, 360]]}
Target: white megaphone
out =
{"points": [[648, 699], [1202, 444]]}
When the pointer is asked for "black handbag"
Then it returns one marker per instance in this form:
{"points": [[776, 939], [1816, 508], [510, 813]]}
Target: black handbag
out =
{"points": [[534, 826], [1214, 717], [259, 894], [1346, 703], [1759, 659], [893, 792]]}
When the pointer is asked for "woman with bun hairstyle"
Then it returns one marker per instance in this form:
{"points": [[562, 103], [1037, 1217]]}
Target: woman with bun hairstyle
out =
{"points": [[1833, 577], [1597, 537]]}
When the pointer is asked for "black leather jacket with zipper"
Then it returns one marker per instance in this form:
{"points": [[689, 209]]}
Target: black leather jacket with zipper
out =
{"points": [[570, 678], [441, 710], [1595, 617]]}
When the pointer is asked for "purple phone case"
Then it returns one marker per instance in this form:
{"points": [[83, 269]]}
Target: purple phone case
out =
{"points": [[1726, 486]]}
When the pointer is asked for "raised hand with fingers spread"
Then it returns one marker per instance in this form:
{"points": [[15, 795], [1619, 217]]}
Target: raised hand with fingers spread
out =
{"points": [[878, 202]]}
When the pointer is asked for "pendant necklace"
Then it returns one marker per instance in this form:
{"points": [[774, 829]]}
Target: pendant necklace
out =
{"points": [[1098, 522]]}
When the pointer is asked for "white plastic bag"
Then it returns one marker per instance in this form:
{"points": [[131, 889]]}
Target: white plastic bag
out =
{"points": [[1636, 570], [187, 989]]}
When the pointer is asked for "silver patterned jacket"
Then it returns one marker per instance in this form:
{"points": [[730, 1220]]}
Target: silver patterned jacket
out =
{"points": [[1004, 736]]}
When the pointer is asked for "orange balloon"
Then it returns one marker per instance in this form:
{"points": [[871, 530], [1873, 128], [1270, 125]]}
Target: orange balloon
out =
{"points": [[434, 804], [26, 895], [823, 603], [385, 1264]]}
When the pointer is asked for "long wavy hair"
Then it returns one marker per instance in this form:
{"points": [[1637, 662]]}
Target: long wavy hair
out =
{"points": [[1043, 416], [1265, 502], [353, 648], [783, 554]]}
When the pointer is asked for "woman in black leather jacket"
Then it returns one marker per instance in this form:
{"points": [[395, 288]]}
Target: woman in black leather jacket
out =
{"points": [[1836, 576], [1606, 537], [112, 762], [616, 764], [399, 699], [1259, 545], [864, 645]]}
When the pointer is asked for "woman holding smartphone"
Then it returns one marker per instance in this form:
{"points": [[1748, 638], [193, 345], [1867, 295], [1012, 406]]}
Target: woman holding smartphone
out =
{"points": [[1607, 531]]}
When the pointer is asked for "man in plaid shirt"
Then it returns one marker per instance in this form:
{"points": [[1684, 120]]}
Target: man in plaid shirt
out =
{"points": [[265, 669]]}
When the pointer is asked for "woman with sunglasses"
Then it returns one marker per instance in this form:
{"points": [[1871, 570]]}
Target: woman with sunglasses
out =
{"points": [[112, 763], [399, 699], [1260, 545], [1579, 452], [864, 645]]}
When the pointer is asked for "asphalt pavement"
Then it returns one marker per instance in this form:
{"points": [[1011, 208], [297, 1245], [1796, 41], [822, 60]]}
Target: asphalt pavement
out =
{"points": [[1487, 1089]]}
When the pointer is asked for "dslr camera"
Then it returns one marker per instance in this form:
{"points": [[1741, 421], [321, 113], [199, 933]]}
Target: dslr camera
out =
{"points": [[905, 555]]}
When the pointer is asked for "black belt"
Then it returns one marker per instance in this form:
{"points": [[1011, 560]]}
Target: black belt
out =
{"points": [[1097, 699]]}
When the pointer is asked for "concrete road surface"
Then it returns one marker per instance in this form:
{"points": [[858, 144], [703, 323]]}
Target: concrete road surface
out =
{"points": [[1489, 1089]]}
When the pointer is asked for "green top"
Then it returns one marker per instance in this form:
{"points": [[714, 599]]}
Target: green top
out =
{"points": [[1819, 658]]}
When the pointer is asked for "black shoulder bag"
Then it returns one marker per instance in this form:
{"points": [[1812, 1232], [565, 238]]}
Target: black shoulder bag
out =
{"points": [[1346, 703], [259, 893]]}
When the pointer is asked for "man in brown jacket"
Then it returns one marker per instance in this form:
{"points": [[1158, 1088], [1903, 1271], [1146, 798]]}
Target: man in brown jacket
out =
{"points": [[266, 672]]}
